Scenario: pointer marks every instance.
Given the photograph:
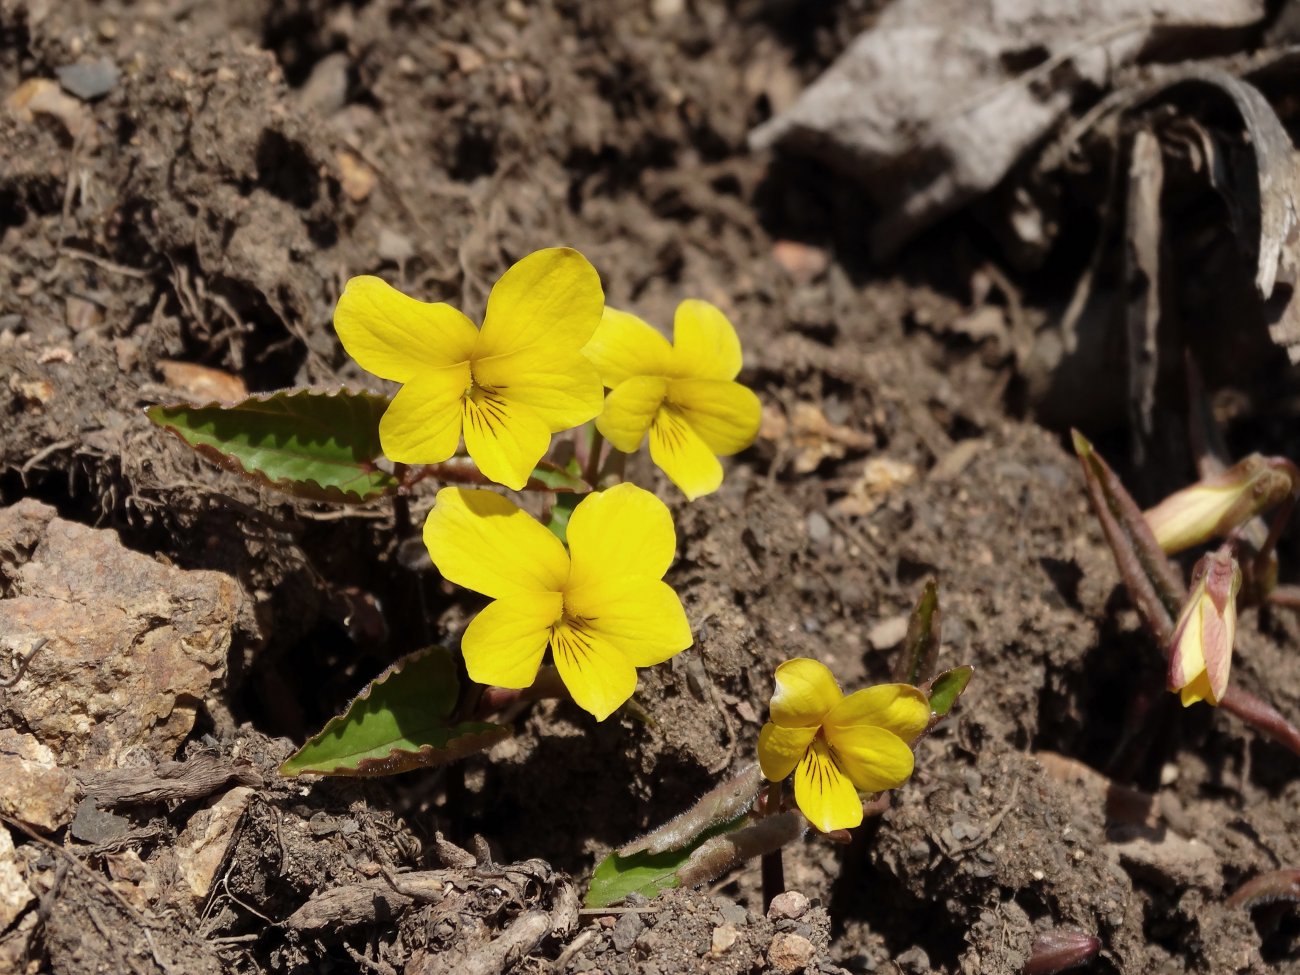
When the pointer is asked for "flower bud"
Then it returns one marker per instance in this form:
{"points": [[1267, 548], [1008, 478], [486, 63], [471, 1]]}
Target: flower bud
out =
{"points": [[1060, 949], [1216, 505], [1200, 650]]}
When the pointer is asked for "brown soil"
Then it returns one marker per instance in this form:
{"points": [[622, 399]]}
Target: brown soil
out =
{"points": [[252, 156]]}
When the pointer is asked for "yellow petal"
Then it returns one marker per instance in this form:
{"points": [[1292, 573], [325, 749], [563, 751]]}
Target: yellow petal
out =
{"points": [[705, 346], [899, 708], [504, 439], [625, 346], [726, 415], [824, 793], [781, 749], [623, 531], [552, 297], [805, 691], [682, 455], [1187, 653], [873, 758], [629, 410], [561, 389], [422, 424], [395, 336], [504, 644], [1197, 689], [486, 543], [598, 675], [642, 618]]}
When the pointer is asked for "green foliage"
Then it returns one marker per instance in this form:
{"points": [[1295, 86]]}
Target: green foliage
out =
{"points": [[649, 874], [921, 648], [947, 687], [401, 721], [319, 445]]}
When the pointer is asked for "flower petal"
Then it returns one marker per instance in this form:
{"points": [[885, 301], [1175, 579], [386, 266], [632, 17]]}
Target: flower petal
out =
{"points": [[504, 644], [682, 455], [598, 675], [395, 336], [1187, 651], [551, 298], [781, 749], [805, 691], [625, 346], [505, 439], [487, 543], [899, 708], [824, 793], [726, 415], [422, 423], [643, 618], [629, 410], [873, 758], [560, 389], [624, 531], [705, 346]]}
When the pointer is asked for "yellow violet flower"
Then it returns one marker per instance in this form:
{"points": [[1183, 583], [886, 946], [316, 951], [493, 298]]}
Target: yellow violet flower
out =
{"points": [[507, 386], [602, 606], [1200, 650], [838, 746], [683, 394]]}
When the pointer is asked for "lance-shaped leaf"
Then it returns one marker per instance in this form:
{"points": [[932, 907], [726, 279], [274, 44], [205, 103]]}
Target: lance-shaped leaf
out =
{"points": [[645, 873], [401, 721], [319, 445], [712, 853], [947, 687], [921, 648], [1153, 583], [722, 803]]}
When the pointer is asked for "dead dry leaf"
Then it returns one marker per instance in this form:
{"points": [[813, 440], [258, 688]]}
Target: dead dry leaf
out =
{"points": [[811, 437], [202, 382]]}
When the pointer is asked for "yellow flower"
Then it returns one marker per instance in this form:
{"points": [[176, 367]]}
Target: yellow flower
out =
{"points": [[602, 606], [1219, 503], [838, 746], [507, 386], [1200, 650], [683, 394]]}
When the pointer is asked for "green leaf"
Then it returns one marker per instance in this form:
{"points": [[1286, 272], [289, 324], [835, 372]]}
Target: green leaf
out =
{"points": [[615, 877], [921, 648], [551, 477], [561, 509], [319, 445], [947, 687], [401, 721]]}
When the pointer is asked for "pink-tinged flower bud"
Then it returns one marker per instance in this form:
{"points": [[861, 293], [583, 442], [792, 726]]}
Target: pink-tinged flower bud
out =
{"points": [[1059, 950], [1200, 651], [1215, 506]]}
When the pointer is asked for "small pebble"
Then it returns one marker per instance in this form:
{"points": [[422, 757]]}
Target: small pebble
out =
{"points": [[789, 904], [789, 953], [819, 529], [88, 80], [724, 937], [626, 930], [732, 913]]}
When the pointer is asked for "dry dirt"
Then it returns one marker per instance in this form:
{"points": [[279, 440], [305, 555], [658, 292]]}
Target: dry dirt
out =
{"points": [[248, 158]]}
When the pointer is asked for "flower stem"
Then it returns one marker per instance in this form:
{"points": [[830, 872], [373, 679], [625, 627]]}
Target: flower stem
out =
{"points": [[773, 864], [595, 445]]}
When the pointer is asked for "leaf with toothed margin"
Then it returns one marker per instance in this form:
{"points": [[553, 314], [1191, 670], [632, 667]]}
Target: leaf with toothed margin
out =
{"points": [[308, 443], [401, 721], [947, 687]]}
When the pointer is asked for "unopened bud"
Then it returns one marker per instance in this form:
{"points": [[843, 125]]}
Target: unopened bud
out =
{"points": [[1059, 950], [1200, 650], [1213, 507]]}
